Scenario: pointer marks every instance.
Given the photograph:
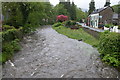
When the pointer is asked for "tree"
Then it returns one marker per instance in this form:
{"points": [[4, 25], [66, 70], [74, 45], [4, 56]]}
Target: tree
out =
{"points": [[27, 14], [73, 11], [60, 10], [116, 8], [91, 7], [80, 14]]}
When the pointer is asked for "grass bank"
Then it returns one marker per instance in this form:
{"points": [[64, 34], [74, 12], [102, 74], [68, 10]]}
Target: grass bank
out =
{"points": [[78, 34], [107, 45]]}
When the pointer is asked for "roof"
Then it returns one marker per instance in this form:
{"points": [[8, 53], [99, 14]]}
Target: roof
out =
{"points": [[115, 16], [100, 9]]}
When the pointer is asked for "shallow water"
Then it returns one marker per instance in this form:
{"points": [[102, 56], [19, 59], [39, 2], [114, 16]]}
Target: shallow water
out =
{"points": [[48, 54]]}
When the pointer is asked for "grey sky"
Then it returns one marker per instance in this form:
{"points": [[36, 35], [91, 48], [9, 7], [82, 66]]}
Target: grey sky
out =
{"points": [[85, 3]]}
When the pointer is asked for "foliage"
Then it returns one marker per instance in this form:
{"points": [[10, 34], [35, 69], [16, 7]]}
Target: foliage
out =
{"points": [[108, 25], [6, 27], [80, 14], [91, 7], [116, 8], [11, 34], [61, 18], [60, 10], [57, 24], [70, 22], [73, 11], [12, 14], [8, 50], [27, 14], [78, 34], [109, 48]]}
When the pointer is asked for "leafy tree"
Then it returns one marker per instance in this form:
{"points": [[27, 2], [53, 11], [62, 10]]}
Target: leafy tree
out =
{"points": [[60, 10], [13, 15], [73, 11], [80, 14], [27, 14], [91, 7], [116, 8]]}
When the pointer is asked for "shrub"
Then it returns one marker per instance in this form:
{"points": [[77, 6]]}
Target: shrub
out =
{"points": [[15, 44], [8, 50], [28, 28], [57, 24], [109, 48], [11, 34], [61, 18], [70, 23], [6, 27], [108, 25]]}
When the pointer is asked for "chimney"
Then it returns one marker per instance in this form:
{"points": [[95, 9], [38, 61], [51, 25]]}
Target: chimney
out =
{"points": [[107, 0], [92, 1]]}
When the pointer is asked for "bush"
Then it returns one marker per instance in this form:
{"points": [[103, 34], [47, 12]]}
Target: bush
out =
{"points": [[8, 50], [11, 34], [57, 24], [70, 23], [6, 27], [108, 25], [62, 18], [15, 44], [109, 48]]}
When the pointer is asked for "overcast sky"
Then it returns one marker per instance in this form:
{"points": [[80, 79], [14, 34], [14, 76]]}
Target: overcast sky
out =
{"points": [[85, 3]]}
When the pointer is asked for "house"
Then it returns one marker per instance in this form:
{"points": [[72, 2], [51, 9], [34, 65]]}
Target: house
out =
{"points": [[100, 17]]}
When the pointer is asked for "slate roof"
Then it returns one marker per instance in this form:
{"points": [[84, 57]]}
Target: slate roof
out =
{"points": [[99, 10]]}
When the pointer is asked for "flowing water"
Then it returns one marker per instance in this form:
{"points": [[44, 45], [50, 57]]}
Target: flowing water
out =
{"points": [[48, 54]]}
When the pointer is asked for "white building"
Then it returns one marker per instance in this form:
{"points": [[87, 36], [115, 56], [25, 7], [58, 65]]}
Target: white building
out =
{"points": [[100, 17]]}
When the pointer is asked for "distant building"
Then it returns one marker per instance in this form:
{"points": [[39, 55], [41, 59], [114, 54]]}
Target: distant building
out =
{"points": [[101, 16]]}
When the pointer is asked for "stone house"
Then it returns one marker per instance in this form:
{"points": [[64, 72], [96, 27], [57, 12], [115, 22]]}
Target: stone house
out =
{"points": [[100, 17]]}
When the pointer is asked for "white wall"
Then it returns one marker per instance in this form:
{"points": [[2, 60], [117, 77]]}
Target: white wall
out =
{"points": [[95, 20]]}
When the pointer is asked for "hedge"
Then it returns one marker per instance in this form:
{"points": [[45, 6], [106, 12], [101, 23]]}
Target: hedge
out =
{"points": [[109, 47], [57, 24], [9, 40], [7, 27], [11, 34], [8, 50]]}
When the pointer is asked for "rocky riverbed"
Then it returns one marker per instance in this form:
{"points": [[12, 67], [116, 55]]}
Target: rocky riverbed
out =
{"points": [[48, 54]]}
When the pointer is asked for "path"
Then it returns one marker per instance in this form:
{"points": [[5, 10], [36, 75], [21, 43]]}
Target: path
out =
{"points": [[48, 54]]}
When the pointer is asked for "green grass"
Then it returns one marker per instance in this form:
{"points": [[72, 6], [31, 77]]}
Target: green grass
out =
{"points": [[4, 57], [77, 34], [8, 50]]}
